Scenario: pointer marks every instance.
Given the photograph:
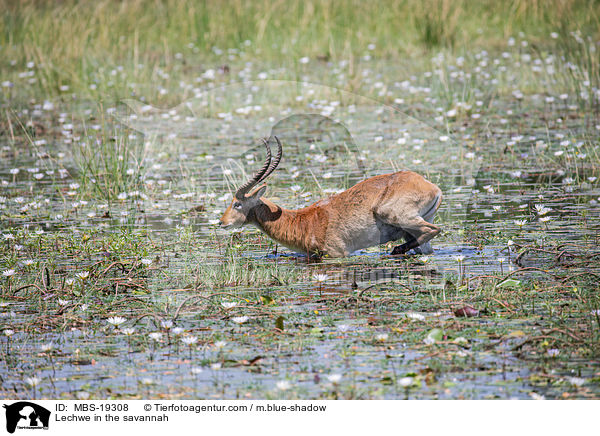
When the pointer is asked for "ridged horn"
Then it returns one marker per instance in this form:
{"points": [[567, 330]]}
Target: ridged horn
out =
{"points": [[275, 161], [242, 190]]}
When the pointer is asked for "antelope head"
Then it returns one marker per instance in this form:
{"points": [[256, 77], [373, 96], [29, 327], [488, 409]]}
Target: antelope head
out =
{"points": [[247, 197]]}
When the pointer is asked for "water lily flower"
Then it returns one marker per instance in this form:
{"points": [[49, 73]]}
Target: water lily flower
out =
{"points": [[541, 209], [116, 320], [155, 336], [189, 340], [576, 381], [283, 385], [83, 275], [320, 278], [520, 223], [343, 328], [334, 378], [33, 381], [405, 381]]}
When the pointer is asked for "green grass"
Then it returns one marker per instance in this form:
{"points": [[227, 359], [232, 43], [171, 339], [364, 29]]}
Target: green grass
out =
{"points": [[111, 45]]}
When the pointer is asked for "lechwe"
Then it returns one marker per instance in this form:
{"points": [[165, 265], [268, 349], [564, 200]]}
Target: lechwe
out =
{"points": [[375, 211]]}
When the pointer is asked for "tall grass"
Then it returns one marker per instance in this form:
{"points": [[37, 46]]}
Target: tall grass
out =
{"points": [[107, 44], [109, 162]]}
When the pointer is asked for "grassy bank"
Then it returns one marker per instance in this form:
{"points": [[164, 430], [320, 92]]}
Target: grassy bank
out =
{"points": [[106, 46]]}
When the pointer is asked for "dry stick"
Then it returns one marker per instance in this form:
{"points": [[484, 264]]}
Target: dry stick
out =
{"points": [[527, 249], [32, 285], [567, 333], [125, 300], [157, 318], [360, 295], [537, 338], [63, 309], [571, 277], [529, 268], [505, 305], [195, 297], [119, 281], [111, 265], [483, 277]]}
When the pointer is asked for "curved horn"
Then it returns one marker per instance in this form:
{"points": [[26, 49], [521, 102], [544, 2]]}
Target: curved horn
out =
{"points": [[242, 190], [275, 161]]}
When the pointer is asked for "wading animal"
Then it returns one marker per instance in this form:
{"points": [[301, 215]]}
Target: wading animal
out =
{"points": [[375, 211]]}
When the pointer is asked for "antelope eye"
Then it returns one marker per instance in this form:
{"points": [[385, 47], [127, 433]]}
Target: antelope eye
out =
{"points": [[237, 205]]}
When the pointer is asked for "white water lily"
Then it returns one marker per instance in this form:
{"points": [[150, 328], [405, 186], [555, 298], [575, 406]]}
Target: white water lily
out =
{"points": [[520, 223], [541, 209], [334, 378], [116, 320], [415, 316], [283, 385], [240, 319], [47, 347], [155, 336], [33, 381], [83, 275], [405, 381], [189, 340], [320, 278], [576, 381]]}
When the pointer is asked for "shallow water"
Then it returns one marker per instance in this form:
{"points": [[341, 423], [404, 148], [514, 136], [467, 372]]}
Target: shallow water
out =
{"points": [[195, 161]]}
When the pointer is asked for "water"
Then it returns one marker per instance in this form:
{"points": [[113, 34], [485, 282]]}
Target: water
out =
{"points": [[181, 175]]}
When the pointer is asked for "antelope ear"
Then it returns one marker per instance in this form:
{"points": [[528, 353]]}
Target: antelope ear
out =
{"points": [[258, 192]]}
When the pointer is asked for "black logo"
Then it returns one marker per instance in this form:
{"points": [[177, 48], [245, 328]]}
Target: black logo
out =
{"points": [[26, 415]]}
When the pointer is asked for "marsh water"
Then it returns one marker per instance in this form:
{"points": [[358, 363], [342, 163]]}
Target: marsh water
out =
{"points": [[112, 213]]}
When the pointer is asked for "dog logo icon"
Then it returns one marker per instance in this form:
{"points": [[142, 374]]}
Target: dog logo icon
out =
{"points": [[26, 415]]}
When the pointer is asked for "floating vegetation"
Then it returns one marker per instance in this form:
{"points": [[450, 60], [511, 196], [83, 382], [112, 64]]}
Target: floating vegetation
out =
{"points": [[111, 255]]}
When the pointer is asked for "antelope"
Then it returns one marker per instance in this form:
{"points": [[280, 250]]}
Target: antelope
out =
{"points": [[377, 210]]}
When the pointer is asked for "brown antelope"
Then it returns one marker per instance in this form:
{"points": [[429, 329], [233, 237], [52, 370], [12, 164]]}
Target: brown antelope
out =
{"points": [[377, 210]]}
